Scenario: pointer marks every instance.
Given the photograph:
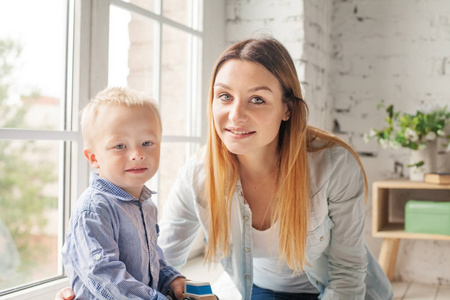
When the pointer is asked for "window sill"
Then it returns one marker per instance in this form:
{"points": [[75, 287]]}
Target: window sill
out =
{"points": [[41, 292]]}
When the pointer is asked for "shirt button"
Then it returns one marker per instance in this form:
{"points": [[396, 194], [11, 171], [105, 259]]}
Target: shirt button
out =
{"points": [[97, 256], [321, 238], [241, 193], [317, 282], [246, 218], [247, 249], [247, 276]]}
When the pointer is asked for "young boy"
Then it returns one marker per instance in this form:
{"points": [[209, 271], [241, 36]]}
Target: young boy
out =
{"points": [[111, 247]]}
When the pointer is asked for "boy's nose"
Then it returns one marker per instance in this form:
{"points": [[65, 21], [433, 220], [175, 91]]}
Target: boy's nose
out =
{"points": [[137, 155]]}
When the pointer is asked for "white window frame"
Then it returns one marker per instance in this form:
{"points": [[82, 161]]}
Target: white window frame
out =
{"points": [[88, 42]]}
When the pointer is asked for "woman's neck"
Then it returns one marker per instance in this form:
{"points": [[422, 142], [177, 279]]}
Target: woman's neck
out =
{"points": [[258, 178], [252, 167]]}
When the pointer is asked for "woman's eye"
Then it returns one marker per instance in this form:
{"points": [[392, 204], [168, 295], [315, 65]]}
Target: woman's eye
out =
{"points": [[146, 144], [120, 147], [257, 100], [224, 97]]}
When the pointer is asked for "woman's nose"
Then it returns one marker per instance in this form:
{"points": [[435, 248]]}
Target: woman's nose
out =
{"points": [[238, 113]]}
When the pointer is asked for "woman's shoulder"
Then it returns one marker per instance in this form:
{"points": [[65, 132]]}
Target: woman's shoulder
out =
{"points": [[194, 165], [191, 176], [325, 152], [326, 160]]}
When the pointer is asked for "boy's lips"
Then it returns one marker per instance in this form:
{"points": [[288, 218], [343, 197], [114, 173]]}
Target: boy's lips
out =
{"points": [[136, 170]]}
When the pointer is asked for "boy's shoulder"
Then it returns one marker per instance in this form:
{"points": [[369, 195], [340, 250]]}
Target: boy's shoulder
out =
{"points": [[93, 200], [91, 205]]}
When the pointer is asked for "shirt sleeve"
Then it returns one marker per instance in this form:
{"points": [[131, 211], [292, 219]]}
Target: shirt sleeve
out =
{"points": [[93, 255], [167, 274], [347, 258], [179, 224]]}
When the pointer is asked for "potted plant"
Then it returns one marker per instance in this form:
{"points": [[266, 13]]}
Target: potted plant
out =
{"points": [[419, 132]]}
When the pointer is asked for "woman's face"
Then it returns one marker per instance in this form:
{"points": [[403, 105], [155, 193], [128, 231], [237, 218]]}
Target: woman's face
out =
{"points": [[248, 107]]}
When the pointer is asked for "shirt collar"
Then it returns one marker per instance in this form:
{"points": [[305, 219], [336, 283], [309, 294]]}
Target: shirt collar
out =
{"points": [[104, 185]]}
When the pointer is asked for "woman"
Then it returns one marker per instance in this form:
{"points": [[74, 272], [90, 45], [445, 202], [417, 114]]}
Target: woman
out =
{"points": [[281, 202]]}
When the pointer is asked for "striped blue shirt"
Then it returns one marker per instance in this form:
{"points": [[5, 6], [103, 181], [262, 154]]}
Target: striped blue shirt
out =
{"points": [[111, 249]]}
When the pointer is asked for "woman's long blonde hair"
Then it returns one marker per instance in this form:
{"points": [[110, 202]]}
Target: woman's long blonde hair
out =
{"points": [[295, 140]]}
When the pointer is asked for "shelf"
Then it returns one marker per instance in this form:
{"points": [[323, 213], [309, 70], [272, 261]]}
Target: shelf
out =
{"points": [[381, 227], [407, 184], [393, 232], [396, 231]]}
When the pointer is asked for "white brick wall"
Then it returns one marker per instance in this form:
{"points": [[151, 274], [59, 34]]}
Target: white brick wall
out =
{"points": [[350, 54], [396, 50], [306, 36]]}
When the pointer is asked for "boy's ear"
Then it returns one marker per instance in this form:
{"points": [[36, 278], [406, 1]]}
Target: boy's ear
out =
{"points": [[91, 158]]}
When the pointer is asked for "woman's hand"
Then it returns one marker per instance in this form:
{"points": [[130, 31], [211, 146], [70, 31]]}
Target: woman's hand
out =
{"points": [[177, 286], [65, 294]]}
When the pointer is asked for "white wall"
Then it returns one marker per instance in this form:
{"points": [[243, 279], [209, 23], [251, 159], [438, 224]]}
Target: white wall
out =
{"points": [[305, 35], [399, 51], [350, 54]]}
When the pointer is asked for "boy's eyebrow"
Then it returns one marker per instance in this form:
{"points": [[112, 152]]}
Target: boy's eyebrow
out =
{"points": [[253, 89]]}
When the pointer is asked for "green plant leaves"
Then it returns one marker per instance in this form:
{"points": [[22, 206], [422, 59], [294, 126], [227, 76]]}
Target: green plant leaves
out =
{"points": [[410, 130]]}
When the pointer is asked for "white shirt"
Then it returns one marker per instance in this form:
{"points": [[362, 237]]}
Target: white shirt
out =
{"points": [[271, 273]]}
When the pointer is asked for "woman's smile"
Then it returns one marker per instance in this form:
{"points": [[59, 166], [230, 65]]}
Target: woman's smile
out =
{"points": [[240, 133]]}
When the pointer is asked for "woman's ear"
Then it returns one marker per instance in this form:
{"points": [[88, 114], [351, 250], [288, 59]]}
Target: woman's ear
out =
{"points": [[287, 113], [91, 158], [287, 110]]}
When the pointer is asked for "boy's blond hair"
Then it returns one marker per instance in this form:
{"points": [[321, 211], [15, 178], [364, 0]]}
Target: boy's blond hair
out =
{"points": [[112, 96]]}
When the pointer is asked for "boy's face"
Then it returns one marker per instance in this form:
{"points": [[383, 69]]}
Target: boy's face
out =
{"points": [[126, 146]]}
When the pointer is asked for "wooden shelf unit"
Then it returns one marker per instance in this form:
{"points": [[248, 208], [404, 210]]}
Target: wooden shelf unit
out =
{"points": [[393, 232]]}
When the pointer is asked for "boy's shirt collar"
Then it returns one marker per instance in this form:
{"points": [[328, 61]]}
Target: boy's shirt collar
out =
{"points": [[104, 185]]}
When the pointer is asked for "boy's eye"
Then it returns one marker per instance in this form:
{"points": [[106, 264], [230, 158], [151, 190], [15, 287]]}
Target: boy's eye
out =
{"points": [[257, 100], [224, 97], [147, 143], [120, 146]]}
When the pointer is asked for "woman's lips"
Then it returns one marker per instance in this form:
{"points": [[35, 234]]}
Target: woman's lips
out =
{"points": [[239, 133]]}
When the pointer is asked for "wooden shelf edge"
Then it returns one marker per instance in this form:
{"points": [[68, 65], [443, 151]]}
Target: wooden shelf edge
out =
{"points": [[402, 183], [401, 234]]}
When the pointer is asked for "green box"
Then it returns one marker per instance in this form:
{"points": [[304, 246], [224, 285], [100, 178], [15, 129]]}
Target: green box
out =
{"points": [[427, 217]]}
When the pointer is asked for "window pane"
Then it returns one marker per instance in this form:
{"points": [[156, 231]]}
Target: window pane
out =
{"points": [[131, 51], [32, 55], [28, 211], [146, 4], [178, 10], [174, 82], [173, 157]]}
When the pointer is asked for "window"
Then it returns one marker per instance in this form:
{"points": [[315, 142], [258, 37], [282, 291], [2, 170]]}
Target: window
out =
{"points": [[54, 56], [35, 139], [154, 53]]}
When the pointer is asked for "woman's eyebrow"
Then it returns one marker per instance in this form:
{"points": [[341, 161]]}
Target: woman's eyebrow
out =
{"points": [[254, 89], [223, 85], [259, 88]]}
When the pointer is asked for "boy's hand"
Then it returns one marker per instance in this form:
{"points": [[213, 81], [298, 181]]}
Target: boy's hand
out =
{"points": [[66, 294], [177, 286]]}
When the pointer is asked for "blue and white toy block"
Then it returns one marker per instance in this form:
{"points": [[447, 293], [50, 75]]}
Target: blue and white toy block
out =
{"points": [[199, 290]]}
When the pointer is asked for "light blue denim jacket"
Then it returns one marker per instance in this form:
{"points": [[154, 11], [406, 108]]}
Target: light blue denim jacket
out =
{"points": [[340, 264]]}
